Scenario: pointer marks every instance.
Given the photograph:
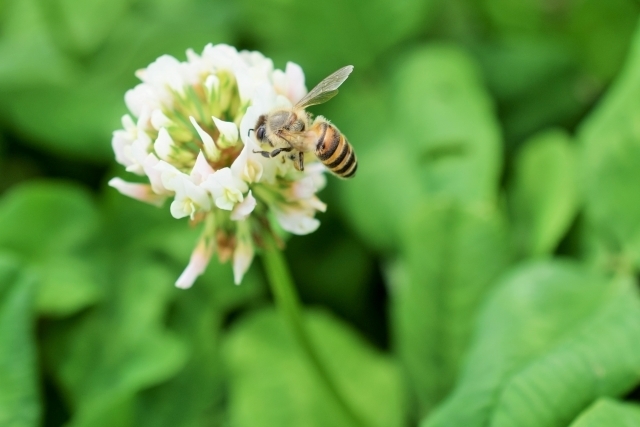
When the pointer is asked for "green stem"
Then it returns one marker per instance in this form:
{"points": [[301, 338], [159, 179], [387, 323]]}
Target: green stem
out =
{"points": [[289, 305]]}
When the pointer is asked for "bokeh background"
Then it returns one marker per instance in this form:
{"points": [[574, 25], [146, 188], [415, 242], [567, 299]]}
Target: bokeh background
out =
{"points": [[480, 269]]}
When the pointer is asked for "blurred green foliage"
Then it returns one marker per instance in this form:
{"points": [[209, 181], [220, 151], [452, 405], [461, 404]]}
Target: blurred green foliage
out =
{"points": [[480, 270]]}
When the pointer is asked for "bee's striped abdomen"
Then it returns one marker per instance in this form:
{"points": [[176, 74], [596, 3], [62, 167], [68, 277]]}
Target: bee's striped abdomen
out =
{"points": [[335, 152]]}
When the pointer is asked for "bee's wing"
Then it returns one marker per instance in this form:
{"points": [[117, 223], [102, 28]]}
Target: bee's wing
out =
{"points": [[326, 89]]}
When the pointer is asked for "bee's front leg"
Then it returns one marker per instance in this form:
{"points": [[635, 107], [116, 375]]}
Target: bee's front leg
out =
{"points": [[273, 153]]}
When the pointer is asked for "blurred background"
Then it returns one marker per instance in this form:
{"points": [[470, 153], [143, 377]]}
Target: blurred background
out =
{"points": [[480, 269]]}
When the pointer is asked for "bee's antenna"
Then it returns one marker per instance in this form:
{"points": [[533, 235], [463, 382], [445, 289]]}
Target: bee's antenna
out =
{"points": [[249, 133]]}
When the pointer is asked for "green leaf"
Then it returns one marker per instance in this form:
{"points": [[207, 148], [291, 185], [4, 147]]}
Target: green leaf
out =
{"points": [[105, 357], [19, 391], [445, 117], [384, 190], [322, 39], [609, 413], [439, 137], [544, 193], [272, 384], [194, 397], [53, 226], [610, 162], [25, 45], [78, 100], [553, 338], [85, 25], [449, 260]]}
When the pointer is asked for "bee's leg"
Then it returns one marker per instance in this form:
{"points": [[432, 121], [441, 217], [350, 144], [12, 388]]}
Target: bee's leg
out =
{"points": [[264, 153], [278, 150], [300, 161], [273, 153]]}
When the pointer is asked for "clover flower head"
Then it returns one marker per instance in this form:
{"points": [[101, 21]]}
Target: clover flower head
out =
{"points": [[188, 132]]}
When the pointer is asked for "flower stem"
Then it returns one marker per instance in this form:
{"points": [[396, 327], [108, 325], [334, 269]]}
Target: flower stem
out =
{"points": [[289, 306]]}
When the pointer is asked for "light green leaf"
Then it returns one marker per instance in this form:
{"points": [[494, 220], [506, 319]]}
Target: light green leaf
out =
{"points": [[544, 193], [450, 259], [78, 101], [610, 163], [53, 227], [109, 354], [322, 39], [26, 45], [445, 117], [85, 25], [609, 413], [385, 188], [194, 397], [19, 394], [272, 384], [553, 338], [439, 137]]}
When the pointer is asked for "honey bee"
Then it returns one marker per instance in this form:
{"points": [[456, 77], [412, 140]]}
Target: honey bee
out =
{"points": [[292, 129]]}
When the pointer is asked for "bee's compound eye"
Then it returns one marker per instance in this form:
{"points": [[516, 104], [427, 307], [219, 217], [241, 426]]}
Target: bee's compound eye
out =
{"points": [[260, 133]]}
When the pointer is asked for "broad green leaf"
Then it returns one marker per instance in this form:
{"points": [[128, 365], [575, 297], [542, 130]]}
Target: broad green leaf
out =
{"points": [[272, 384], [385, 189], [53, 226], [194, 397], [19, 391], [445, 117], [610, 163], [79, 106], [553, 338], [544, 192], [322, 39], [449, 260], [609, 413], [26, 45], [106, 356], [440, 137], [85, 25]]}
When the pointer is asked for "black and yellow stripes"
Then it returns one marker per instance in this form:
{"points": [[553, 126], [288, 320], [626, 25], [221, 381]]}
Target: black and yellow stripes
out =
{"points": [[335, 152]]}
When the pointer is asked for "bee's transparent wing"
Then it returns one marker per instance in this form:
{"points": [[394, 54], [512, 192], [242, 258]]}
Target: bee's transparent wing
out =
{"points": [[326, 89]]}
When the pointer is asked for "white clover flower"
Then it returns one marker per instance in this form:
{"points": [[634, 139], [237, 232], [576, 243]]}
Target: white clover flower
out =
{"points": [[225, 188], [189, 133]]}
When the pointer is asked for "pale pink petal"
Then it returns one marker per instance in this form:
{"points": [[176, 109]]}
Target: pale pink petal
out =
{"points": [[296, 221], [197, 264], [154, 174], [142, 192], [201, 170], [242, 210], [163, 145], [295, 82], [210, 148], [242, 257]]}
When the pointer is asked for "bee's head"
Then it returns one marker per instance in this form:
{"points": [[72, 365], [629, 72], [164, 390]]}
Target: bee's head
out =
{"points": [[261, 128]]}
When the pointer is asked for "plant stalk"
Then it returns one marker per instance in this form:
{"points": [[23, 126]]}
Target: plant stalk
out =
{"points": [[288, 304]]}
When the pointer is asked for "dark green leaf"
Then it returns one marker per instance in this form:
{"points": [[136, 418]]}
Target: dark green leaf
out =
{"points": [[551, 340], [273, 385], [544, 193], [450, 259], [19, 394], [194, 397], [103, 358]]}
